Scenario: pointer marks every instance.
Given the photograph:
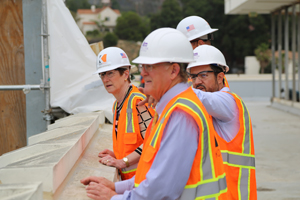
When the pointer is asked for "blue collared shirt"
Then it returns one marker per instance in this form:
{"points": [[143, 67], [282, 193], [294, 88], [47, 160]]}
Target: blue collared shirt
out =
{"points": [[171, 167]]}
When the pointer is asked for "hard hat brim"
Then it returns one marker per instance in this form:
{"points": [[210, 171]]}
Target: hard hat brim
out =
{"points": [[196, 64], [202, 34], [151, 61], [109, 68]]}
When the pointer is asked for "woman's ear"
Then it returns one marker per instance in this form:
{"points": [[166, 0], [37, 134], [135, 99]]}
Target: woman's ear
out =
{"points": [[127, 74]]}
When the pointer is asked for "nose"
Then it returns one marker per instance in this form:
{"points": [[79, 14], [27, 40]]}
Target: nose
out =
{"points": [[104, 79], [143, 71], [197, 80]]}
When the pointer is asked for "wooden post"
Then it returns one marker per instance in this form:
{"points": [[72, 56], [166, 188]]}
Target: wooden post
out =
{"points": [[12, 72]]}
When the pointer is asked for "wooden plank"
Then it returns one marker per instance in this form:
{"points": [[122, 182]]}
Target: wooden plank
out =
{"points": [[97, 47], [12, 72]]}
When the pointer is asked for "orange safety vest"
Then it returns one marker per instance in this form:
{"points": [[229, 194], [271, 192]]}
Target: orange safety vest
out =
{"points": [[207, 176], [239, 159], [129, 136], [226, 82]]}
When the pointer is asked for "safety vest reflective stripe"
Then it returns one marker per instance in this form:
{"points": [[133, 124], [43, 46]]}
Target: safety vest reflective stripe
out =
{"points": [[129, 117], [244, 180], [207, 161], [241, 160], [246, 123], [129, 169], [205, 190], [246, 144]]}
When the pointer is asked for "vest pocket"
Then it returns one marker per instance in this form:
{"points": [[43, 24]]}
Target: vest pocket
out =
{"points": [[149, 154], [130, 138]]}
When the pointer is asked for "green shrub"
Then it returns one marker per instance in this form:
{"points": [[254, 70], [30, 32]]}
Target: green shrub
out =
{"points": [[110, 39]]}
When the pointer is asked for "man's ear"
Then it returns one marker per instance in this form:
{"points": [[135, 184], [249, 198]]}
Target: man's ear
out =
{"points": [[175, 69], [200, 42], [220, 77]]}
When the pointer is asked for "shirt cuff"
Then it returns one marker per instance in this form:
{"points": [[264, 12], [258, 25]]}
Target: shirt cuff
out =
{"points": [[117, 197], [122, 186]]}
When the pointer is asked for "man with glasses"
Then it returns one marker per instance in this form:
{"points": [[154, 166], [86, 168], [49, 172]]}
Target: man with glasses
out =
{"points": [[179, 158], [231, 121]]}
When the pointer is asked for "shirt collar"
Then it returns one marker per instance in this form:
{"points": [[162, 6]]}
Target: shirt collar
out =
{"points": [[226, 89], [170, 94]]}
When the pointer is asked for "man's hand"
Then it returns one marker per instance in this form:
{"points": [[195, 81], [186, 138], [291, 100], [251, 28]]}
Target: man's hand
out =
{"points": [[98, 180], [106, 152], [98, 191], [149, 99]]}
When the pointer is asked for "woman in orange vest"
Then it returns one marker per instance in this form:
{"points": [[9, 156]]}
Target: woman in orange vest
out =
{"points": [[130, 121]]}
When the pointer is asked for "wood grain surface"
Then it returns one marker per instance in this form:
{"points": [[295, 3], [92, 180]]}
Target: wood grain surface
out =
{"points": [[12, 72]]}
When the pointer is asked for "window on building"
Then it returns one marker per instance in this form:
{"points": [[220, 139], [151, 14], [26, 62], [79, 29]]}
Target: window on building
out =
{"points": [[106, 18]]}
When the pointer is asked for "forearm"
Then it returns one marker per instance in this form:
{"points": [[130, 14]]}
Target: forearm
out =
{"points": [[219, 105], [133, 158]]}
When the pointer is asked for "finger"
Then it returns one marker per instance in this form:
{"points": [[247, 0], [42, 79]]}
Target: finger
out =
{"points": [[89, 179], [92, 196], [141, 89], [141, 103]]}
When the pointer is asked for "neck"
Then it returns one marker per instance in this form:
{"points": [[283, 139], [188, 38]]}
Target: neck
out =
{"points": [[172, 84], [122, 92]]}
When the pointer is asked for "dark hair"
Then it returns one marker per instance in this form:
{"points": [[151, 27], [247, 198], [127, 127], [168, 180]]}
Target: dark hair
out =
{"points": [[183, 73], [122, 70], [218, 69]]}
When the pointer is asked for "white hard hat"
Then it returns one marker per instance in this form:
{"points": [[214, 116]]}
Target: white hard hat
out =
{"points": [[207, 55], [194, 27], [111, 58], [165, 45]]}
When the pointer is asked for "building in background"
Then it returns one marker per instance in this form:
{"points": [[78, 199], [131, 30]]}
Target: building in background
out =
{"points": [[102, 19]]}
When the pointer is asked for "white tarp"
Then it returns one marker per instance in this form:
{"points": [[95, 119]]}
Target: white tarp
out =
{"points": [[74, 88]]}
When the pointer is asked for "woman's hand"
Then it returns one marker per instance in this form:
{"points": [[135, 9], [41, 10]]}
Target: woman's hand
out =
{"points": [[106, 152], [113, 162]]}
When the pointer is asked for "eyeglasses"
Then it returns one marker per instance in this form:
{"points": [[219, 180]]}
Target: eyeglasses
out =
{"points": [[148, 68], [108, 74], [201, 75]]}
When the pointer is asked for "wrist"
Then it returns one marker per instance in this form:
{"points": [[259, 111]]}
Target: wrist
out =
{"points": [[126, 161]]}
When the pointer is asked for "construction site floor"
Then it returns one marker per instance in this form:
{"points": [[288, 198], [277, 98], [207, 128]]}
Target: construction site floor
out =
{"points": [[277, 150]]}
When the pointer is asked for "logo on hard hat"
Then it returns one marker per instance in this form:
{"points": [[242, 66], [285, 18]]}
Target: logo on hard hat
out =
{"points": [[123, 55], [144, 46], [196, 55], [190, 27], [103, 58]]}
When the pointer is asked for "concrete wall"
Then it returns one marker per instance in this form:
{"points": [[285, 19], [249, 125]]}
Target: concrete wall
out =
{"points": [[54, 161], [255, 87]]}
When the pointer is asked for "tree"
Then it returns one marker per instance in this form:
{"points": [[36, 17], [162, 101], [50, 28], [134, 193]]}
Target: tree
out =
{"points": [[169, 16], [74, 5], [262, 53], [115, 5], [130, 26], [110, 39]]}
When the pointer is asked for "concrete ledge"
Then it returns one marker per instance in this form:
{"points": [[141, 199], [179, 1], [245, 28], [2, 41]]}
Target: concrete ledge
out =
{"points": [[287, 106], [88, 165], [22, 191], [52, 155]]}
